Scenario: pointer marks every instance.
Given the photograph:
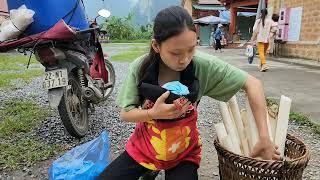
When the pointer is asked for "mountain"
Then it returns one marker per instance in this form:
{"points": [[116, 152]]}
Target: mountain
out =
{"points": [[144, 10]]}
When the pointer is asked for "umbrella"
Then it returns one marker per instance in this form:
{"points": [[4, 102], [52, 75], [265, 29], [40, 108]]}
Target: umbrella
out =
{"points": [[211, 20]]}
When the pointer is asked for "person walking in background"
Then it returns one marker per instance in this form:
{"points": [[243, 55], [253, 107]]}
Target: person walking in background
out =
{"points": [[218, 37], [261, 34], [273, 32]]}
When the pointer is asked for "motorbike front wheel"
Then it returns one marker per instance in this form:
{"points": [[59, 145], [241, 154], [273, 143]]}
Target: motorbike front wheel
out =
{"points": [[73, 109]]}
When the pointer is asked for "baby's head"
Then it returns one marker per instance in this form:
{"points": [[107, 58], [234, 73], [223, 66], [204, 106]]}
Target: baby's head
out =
{"points": [[275, 17]]}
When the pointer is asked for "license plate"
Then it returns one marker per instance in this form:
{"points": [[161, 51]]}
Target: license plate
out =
{"points": [[55, 78]]}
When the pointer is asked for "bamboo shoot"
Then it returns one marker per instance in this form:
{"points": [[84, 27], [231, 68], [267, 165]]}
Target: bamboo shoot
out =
{"points": [[253, 130], [239, 125], [282, 124], [231, 130], [244, 117], [273, 123], [227, 143], [223, 137], [221, 131], [269, 127]]}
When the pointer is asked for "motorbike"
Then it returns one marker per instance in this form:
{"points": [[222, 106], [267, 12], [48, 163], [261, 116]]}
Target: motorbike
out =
{"points": [[78, 75]]}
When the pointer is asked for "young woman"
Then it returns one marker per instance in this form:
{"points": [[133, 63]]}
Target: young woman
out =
{"points": [[261, 33], [166, 136]]}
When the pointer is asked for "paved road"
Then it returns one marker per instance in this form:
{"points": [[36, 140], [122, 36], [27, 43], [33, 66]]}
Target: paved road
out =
{"points": [[300, 83]]}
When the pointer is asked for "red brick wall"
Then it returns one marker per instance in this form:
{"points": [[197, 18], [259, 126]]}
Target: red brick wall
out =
{"points": [[309, 45]]}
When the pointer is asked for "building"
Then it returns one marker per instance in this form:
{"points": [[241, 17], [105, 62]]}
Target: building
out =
{"points": [[201, 8], [236, 6], [206, 8], [307, 43], [300, 31], [187, 4], [3, 10]]}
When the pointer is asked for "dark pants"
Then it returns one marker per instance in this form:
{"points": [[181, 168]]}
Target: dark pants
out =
{"points": [[126, 168], [218, 44]]}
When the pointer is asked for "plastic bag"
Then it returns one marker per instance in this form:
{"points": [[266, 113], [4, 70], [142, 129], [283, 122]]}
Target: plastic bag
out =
{"points": [[84, 162], [249, 51], [20, 19], [176, 87]]}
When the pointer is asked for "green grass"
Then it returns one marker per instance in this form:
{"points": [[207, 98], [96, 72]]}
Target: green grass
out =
{"points": [[125, 44], [304, 120], [17, 118], [130, 54], [26, 75], [130, 41], [20, 116], [15, 62], [297, 117], [13, 67], [23, 151]]}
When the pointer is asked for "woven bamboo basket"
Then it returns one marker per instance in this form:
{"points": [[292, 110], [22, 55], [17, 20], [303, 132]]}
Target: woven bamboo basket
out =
{"points": [[235, 167]]}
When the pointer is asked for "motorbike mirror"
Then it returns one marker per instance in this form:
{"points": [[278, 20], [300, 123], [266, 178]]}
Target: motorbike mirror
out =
{"points": [[104, 13]]}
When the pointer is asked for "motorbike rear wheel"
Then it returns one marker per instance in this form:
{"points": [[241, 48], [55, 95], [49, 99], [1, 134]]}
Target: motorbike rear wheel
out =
{"points": [[73, 109]]}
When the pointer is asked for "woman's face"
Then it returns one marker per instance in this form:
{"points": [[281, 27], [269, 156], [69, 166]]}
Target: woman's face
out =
{"points": [[177, 51]]}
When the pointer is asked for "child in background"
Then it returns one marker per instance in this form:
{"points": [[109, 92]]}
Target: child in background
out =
{"points": [[273, 32]]}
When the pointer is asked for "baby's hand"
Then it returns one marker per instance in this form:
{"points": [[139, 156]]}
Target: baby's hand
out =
{"points": [[161, 110], [180, 102]]}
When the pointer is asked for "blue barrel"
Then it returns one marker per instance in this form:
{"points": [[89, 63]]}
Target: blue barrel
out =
{"points": [[49, 12]]}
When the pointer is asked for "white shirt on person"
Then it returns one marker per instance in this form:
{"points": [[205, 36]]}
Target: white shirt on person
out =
{"points": [[263, 32]]}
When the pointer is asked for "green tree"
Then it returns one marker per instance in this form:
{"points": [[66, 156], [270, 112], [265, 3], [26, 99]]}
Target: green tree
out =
{"points": [[122, 28]]}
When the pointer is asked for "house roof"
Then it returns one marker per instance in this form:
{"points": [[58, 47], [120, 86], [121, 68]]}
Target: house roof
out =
{"points": [[211, 20], [209, 7]]}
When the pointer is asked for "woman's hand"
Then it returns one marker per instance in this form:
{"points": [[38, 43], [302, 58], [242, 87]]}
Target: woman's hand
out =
{"points": [[266, 150], [161, 110]]}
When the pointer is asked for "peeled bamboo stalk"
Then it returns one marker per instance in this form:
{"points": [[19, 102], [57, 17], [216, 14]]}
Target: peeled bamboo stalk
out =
{"points": [[282, 124], [253, 130], [244, 117], [223, 137], [269, 127], [230, 128], [239, 125], [221, 131], [227, 143], [273, 123], [235, 128]]}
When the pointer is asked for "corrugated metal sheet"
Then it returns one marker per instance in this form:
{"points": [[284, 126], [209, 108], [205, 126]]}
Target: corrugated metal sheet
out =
{"points": [[209, 7]]}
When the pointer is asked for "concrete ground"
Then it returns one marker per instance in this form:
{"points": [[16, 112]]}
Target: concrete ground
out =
{"points": [[298, 80]]}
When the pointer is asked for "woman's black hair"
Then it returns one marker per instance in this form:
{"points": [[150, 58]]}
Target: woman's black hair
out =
{"points": [[264, 13], [169, 22]]}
